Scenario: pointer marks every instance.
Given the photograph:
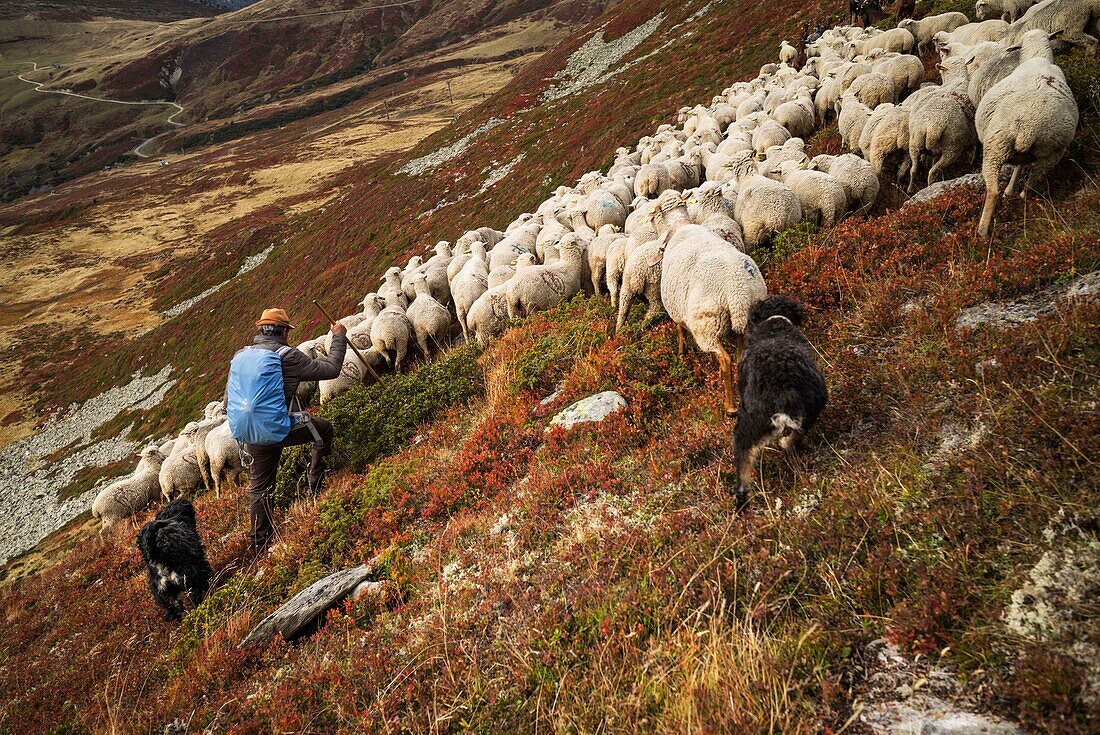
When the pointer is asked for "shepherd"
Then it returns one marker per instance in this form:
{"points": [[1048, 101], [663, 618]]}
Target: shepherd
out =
{"points": [[265, 415]]}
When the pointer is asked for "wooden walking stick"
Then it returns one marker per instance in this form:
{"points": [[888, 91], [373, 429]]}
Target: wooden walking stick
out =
{"points": [[353, 347]]}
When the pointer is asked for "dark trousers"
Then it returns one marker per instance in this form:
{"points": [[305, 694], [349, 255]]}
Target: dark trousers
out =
{"points": [[265, 467]]}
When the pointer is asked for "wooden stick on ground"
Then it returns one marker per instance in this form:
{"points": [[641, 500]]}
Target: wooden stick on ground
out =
{"points": [[353, 347]]}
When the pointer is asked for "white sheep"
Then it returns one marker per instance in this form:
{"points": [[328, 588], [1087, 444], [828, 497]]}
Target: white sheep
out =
{"points": [[617, 253], [707, 286], [715, 212], [895, 39], [651, 180], [222, 457], [604, 207], [352, 373], [987, 64], [768, 134], [828, 94], [925, 29], [1026, 119], [787, 53], [853, 117], [764, 207], [597, 256], [793, 150], [468, 285], [441, 257], [886, 132], [1071, 22], [123, 498], [489, 313], [543, 286], [198, 441], [685, 171], [822, 197], [1009, 10], [430, 319], [873, 89], [905, 71], [519, 241], [856, 175], [311, 348], [549, 235], [391, 292], [414, 266], [941, 125], [641, 276], [179, 473], [390, 334], [797, 116], [972, 34]]}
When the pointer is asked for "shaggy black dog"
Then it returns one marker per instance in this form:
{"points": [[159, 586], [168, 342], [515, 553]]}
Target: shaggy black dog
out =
{"points": [[782, 390], [175, 557]]}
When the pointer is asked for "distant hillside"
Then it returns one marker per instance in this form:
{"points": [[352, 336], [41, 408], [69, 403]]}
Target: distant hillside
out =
{"points": [[224, 70], [228, 4], [77, 10]]}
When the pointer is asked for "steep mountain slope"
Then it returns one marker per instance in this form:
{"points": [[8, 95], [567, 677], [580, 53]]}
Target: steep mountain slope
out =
{"points": [[601, 580]]}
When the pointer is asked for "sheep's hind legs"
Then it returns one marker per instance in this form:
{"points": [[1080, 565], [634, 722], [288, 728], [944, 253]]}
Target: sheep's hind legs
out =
{"points": [[1013, 181], [725, 370], [991, 175]]}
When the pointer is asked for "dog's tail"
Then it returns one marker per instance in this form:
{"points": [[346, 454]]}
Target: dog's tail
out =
{"points": [[785, 424]]}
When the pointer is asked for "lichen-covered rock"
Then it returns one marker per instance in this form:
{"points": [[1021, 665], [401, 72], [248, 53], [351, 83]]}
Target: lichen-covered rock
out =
{"points": [[1057, 604], [1021, 311], [594, 408]]}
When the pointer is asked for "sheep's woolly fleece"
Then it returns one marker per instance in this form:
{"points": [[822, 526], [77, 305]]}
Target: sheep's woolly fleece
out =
{"points": [[29, 510]]}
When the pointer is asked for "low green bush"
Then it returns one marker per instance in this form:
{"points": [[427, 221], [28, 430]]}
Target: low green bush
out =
{"points": [[375, 421], [562, 340]]}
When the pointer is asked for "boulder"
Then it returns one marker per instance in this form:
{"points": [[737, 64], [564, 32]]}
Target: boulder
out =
{"points": [[304, 613], [594, 408], [942, 187]]}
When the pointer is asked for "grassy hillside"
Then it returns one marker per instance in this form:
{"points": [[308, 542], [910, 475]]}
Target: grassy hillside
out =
{"points": [[600, 580]]}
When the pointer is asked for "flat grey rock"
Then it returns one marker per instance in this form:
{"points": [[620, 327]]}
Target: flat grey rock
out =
{"points": [[300, 615], [932, 716], [942, 187], [1021, 311], [594, 408]]}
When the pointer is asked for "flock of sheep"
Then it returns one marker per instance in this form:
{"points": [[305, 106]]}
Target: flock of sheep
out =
{"points": [[672, 220]]}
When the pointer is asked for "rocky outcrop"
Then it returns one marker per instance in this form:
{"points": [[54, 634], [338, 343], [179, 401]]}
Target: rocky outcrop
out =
{"points": [[591, 409]]}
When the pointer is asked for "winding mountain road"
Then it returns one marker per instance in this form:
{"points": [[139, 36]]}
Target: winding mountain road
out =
{"points": [[170, 120]]}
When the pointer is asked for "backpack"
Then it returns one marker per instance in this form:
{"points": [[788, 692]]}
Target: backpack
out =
{"points": [[255, 402]]}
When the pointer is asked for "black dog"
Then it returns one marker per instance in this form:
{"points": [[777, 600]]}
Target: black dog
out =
{"points": [[175, 557], [782, 390]]}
